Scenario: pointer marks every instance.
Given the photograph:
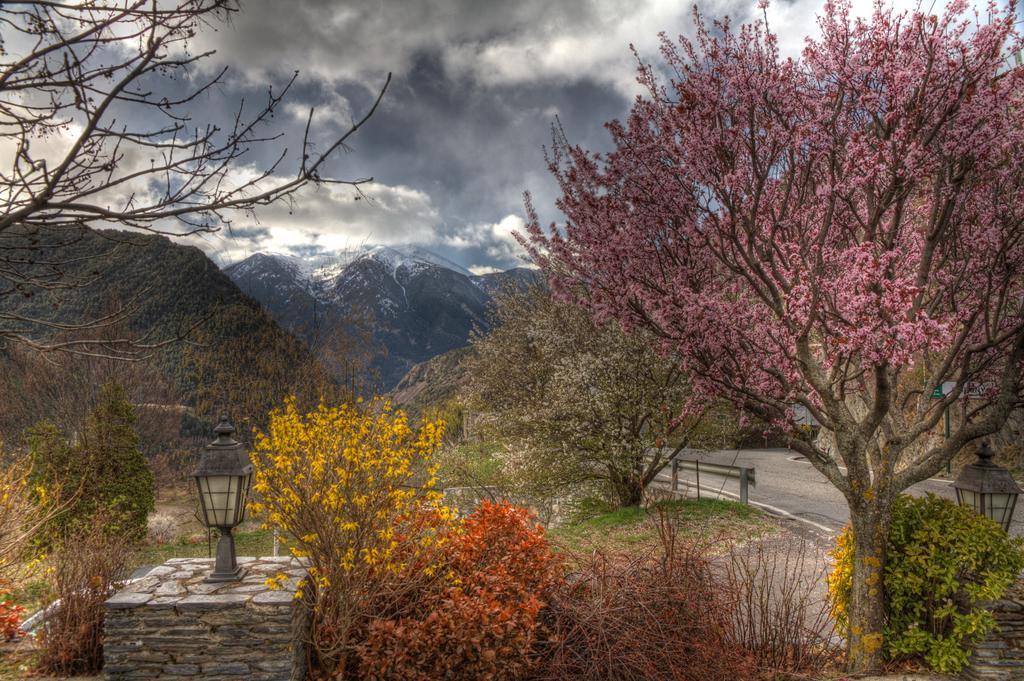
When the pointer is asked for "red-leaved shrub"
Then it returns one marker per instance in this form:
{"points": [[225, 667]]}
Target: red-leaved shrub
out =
{"points": [[500, 537], [10, 615], [484, 623]]}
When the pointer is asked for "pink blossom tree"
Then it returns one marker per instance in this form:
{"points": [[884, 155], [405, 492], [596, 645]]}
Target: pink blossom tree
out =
{"points": [[843, 230]]}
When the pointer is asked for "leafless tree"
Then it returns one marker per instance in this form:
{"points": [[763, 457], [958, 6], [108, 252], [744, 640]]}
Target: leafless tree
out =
{"points": [[101, 124], [63, 388], [347, 348]]}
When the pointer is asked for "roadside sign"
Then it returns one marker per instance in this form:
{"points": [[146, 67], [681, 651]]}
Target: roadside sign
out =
{"points": [[803, 416], [973, 390], [944, 389], [978, 390]]}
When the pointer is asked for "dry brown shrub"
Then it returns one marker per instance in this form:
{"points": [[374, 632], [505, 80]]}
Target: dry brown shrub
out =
{"points": [[781, 613], [660, 616], [84, 572], [162, 528]]}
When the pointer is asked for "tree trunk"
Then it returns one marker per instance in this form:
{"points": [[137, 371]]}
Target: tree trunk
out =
{"points": [[867, 599], [628, 489], [632, 497]]}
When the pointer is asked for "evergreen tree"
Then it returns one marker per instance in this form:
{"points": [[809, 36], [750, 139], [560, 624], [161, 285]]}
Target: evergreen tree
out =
{"points": [[103, 473]]}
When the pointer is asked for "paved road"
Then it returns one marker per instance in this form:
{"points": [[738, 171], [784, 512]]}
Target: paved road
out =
{"points": [[792, 488]]}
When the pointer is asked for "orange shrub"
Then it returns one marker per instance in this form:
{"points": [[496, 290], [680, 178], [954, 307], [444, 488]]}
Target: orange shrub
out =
{"points": [[10, 615], [484, 624], [500, 537]]}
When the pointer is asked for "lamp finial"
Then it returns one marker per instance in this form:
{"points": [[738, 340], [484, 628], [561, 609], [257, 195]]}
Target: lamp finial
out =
{"points": [[985, 454], [224, 430]]}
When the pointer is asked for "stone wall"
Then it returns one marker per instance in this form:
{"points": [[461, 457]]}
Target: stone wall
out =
{"points": [[1000, 657], [171, 625]]}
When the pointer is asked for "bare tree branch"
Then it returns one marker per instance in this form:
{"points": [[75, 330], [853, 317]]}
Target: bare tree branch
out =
{"points": [[75, 80]]}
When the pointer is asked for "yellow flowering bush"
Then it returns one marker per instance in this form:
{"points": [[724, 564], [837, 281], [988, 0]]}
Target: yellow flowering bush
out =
{"points": [[353, 489], [24, 510], [840, 579]]}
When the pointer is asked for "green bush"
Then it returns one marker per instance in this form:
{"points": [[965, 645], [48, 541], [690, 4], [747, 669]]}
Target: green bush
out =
{"points": [[102, 474], [943, 564]]}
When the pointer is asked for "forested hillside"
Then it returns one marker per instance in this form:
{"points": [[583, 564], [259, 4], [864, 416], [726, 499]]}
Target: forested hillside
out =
{"points": [[431, 384], [228, 352]]}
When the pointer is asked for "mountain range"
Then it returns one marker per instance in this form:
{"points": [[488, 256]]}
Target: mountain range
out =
{"points": [[410, 304], [255, 330]]}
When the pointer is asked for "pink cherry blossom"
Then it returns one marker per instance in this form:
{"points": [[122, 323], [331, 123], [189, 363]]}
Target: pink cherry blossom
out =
{"points": [[843, 230]]}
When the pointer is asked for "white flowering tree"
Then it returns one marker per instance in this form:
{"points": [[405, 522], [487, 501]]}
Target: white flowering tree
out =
{"points": [[576, 403]]}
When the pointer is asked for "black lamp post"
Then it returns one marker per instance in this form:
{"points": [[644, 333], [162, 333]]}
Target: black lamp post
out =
{"points": [[222, 481], [987, 488]]}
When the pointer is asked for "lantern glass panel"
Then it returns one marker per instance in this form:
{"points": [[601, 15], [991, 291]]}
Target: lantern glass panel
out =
{"points": [[245, 482], [999, 506], [969, 498], [219, 497]]}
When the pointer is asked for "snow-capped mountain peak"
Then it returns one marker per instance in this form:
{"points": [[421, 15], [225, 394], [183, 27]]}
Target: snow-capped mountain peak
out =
{"points": [[411, 258], [320, 272], [262, 265], [418, 304]]}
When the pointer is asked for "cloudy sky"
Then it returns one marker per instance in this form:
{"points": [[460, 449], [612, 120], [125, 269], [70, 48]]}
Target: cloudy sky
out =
{"points": [[476, 87]]}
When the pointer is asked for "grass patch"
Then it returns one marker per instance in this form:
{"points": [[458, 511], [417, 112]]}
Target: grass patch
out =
{"points": [[703, 509], [471, 464], [253, 543], [626, 529]]}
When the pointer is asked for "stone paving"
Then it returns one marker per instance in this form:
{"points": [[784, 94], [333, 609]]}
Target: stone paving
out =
{"points": [[172, 625]]}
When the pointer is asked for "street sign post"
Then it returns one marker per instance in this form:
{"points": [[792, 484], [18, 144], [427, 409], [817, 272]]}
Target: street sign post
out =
{"points": [[973, 390], [938, 393], [941, 391]]}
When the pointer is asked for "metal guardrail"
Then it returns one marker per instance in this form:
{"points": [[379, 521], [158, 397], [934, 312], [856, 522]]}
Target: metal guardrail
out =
{"points": [[746, 476]]}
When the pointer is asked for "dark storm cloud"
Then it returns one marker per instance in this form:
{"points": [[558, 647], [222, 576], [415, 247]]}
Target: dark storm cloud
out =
{"points": [[249, 232], [348, 41], [459, 136], [475, 150], [307, 251]]}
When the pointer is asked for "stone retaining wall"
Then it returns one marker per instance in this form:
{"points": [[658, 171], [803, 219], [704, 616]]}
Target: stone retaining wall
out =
{"points": [[173, 626], [1000, 657]]}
